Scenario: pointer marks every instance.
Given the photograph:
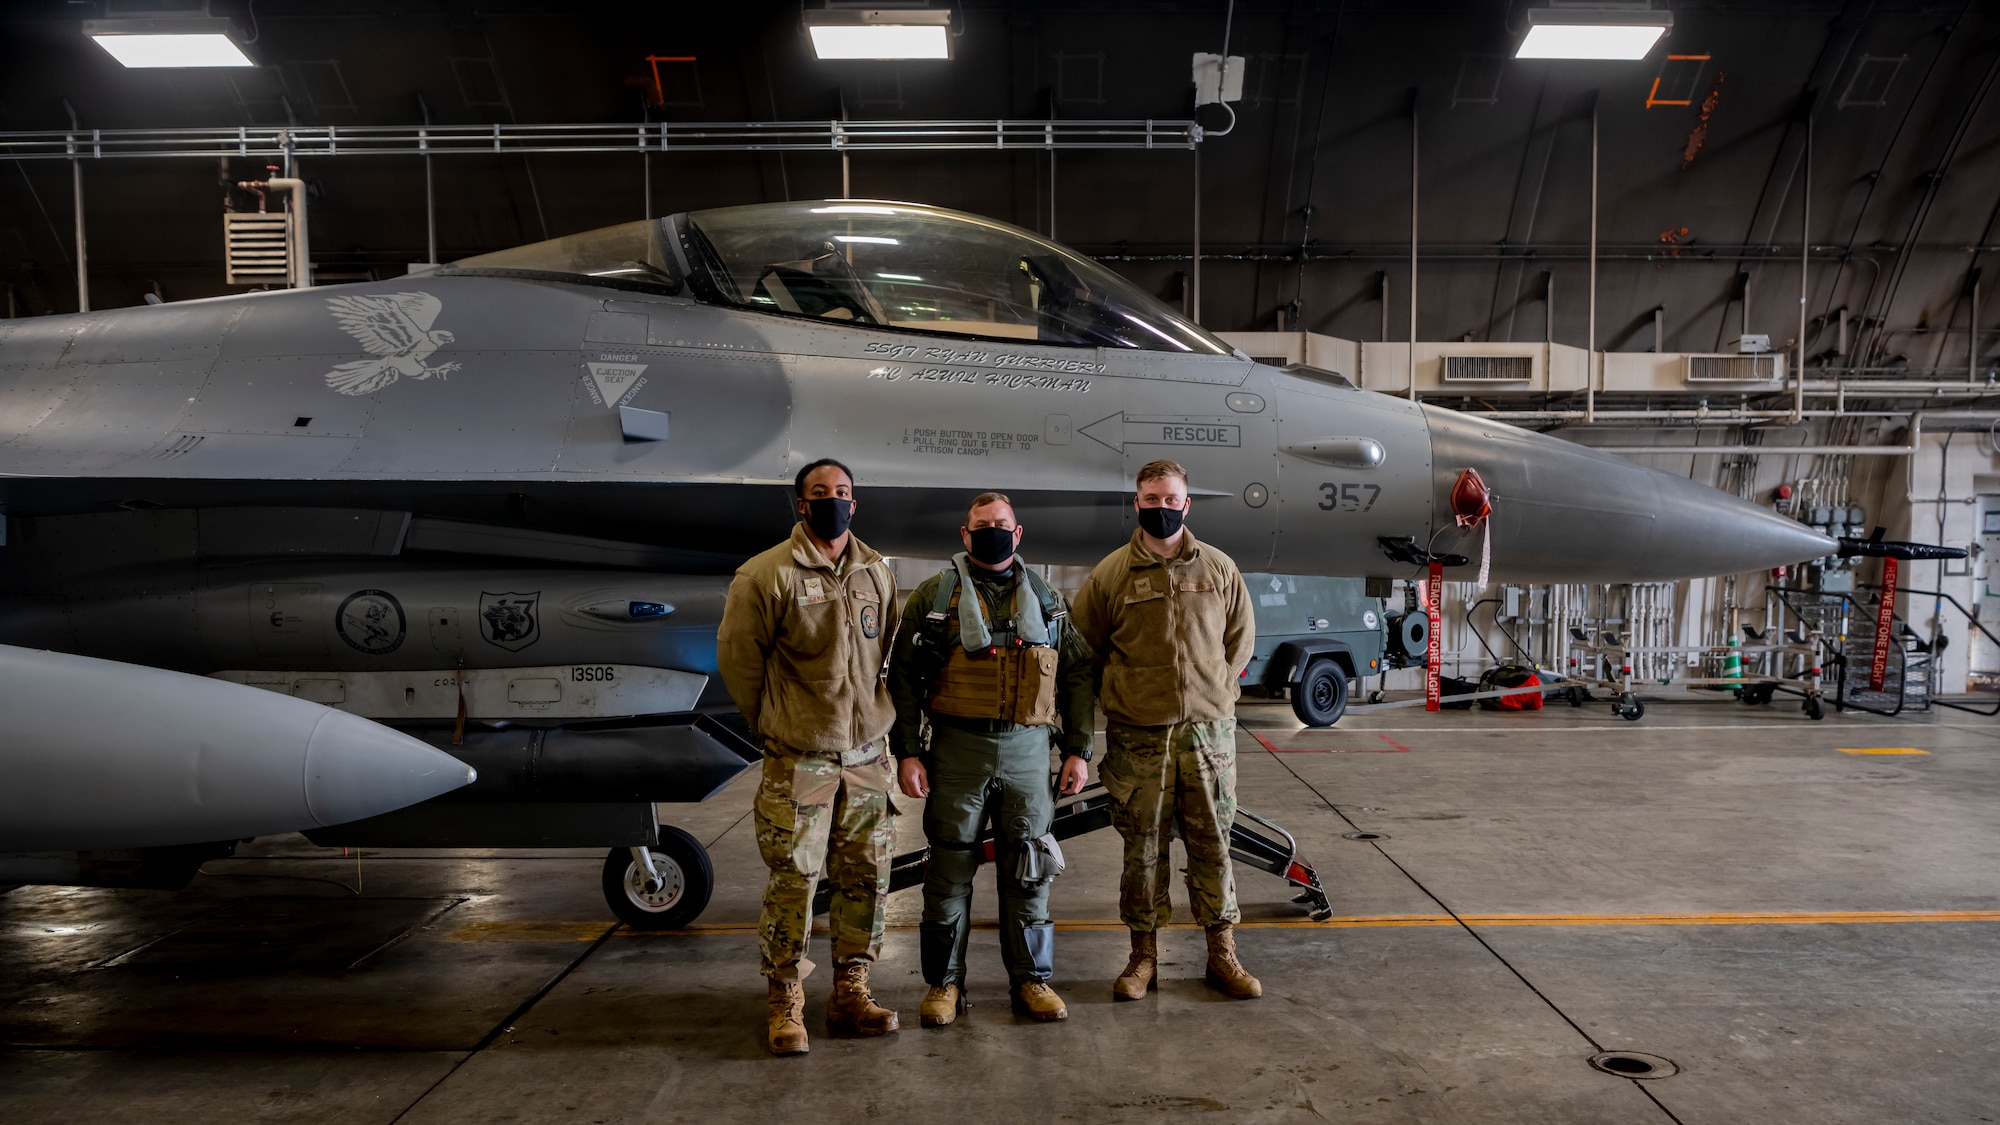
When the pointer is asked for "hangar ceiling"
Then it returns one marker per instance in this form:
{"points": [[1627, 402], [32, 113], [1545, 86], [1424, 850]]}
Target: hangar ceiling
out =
{"points": [[1304, 205]]}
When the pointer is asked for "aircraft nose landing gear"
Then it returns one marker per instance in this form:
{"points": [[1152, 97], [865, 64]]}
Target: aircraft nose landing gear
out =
{"points": [[663, 887]]}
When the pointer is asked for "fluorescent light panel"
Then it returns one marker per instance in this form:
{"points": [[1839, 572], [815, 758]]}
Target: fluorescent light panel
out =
{"points": [[182, 41], [880, 41], [149, 51], [853, 31], [1566, 33]]}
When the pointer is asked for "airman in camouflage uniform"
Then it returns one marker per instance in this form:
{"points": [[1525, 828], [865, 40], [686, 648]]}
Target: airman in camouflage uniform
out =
{"points": [[1171, 623], [804, 636]]}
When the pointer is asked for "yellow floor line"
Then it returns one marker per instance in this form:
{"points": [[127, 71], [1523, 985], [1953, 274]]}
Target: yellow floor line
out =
{"points": [[530, 931], [1882, 750], [591, 931]]}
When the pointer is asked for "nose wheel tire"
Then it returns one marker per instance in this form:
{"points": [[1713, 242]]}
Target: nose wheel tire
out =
{"points": [[676, 898], [1320, 698]]}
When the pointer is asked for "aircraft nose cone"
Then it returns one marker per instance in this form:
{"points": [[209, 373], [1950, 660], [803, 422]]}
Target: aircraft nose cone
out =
{"points": [[1563, 512], [356, 769]]}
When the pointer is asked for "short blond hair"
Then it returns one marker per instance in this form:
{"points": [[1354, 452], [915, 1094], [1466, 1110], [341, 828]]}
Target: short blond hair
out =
{"points": [[1160, 470]]}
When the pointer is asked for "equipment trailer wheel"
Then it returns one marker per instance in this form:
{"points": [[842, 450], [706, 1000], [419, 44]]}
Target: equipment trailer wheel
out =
{"points": [[1321, 697], [686, 881], [1628, 708], [1815, 710]]}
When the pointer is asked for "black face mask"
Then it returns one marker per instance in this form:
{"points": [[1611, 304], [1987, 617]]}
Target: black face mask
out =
{"points": [[828, 517], [1162, 523], [993, 546]]}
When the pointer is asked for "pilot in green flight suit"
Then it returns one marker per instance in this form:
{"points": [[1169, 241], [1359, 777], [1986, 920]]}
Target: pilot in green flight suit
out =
{"points": [[987, 655]]}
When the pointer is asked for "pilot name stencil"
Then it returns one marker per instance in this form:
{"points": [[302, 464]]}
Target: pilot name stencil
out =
{"points": [[395, 328], [612, 383], [1005, 380], [978, 358]]}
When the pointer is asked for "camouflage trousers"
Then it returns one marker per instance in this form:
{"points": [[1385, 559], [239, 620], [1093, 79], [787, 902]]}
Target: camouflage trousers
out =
{"points": [[1163, 780], [823, 813]]}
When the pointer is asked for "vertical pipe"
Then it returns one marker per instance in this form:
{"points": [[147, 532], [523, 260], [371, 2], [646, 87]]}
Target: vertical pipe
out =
{"points": [[430, 213], [1382, 296], [1196, 274], [646, 171], [76, 186], [1052, 195], [1659, 329], [846, 188], [1973, 333], [82, 251], [1413, 247], [1590, 321], [1805, 258], [430, 193], [1548, 306]]}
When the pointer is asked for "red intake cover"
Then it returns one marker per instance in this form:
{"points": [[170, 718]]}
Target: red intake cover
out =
{"points": [[1470, 501]]}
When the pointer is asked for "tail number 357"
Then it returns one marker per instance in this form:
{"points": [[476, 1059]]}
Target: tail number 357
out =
{"points": [[1348, 497]]}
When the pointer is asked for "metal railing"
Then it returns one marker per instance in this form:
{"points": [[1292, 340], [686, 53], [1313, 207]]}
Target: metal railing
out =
{"points": [[634, 137]]}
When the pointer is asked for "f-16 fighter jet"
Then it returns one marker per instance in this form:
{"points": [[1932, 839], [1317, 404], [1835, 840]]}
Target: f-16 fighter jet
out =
{"points": [[496, 505]]}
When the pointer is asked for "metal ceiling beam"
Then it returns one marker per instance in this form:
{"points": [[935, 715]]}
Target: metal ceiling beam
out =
{"points": [[632, 137]]}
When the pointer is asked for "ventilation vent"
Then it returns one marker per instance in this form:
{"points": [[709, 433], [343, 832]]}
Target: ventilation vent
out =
{"points": [[1733, 369], [257, 246], [181, 447], [1489, 368]]}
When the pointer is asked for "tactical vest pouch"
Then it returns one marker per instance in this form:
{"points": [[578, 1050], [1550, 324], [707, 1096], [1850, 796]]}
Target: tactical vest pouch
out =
{"points": [[1012, 683]]}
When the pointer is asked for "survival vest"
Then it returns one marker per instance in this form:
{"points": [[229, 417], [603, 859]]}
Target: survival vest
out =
{"points": [[984, 673]]}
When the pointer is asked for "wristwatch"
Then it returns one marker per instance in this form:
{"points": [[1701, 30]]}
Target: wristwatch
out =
{"points": [[1083, 753]]}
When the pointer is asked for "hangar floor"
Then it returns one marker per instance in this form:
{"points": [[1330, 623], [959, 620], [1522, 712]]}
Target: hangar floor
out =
{"points": [[1808, 930]]}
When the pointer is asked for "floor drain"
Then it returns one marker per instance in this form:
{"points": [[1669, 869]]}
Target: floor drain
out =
{"points": [[1365, 835], [1634, 1064]]}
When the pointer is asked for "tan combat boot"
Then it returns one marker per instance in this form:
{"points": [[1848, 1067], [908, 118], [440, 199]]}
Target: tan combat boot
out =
{"points": [[1038, 1001], [942, 1004], [1142, 971], [787, 1034], [852, 1009], [1225, 974]]}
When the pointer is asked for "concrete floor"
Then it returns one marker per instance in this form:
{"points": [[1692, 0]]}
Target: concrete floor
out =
{"points": [[1811, 934]]}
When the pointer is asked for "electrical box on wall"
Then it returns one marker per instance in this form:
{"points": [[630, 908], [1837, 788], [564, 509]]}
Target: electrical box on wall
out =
{"points": [[1214, 82]]}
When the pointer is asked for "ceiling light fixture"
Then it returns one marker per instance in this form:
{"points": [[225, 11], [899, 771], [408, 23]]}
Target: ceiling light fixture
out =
{"points": [[171, 42], [879, 32], [1592, 33]]}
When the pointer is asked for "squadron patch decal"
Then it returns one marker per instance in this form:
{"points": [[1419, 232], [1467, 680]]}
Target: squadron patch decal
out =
{"points": [[871, 621], [395, 328], [371, 621], [510, 620]]}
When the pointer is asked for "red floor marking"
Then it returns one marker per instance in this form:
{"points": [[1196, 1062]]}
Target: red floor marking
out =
{"points": [[1398, 748]]}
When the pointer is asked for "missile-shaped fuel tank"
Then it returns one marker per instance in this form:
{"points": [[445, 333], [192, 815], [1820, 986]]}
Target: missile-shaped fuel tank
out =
{"points": [[102, 755], [335, 617]]}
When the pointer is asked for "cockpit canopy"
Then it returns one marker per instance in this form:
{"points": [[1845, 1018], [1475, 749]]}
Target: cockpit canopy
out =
{"points": [[900, 266]]}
